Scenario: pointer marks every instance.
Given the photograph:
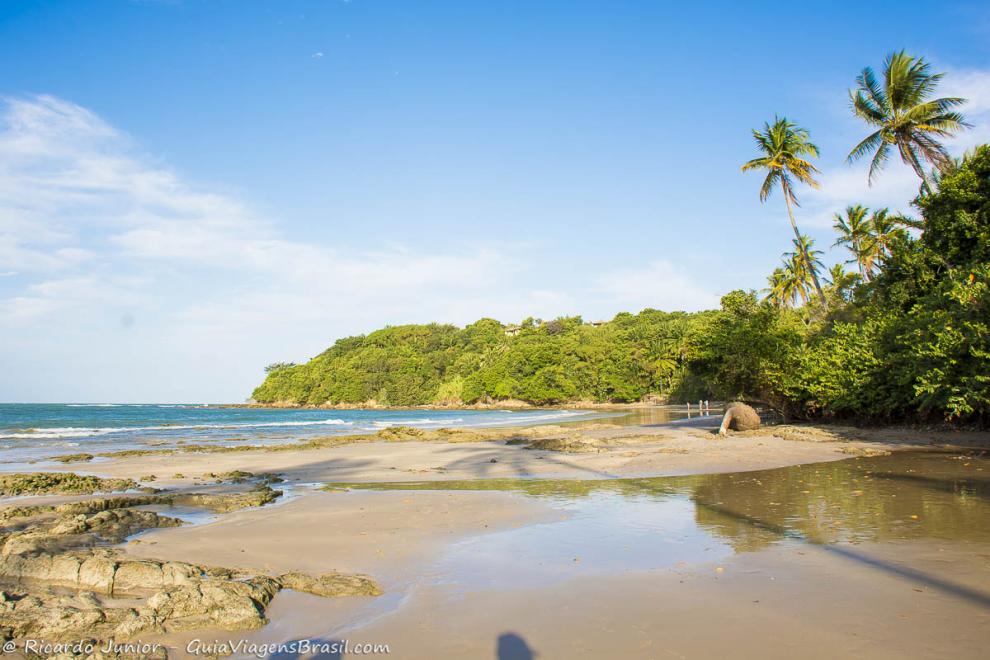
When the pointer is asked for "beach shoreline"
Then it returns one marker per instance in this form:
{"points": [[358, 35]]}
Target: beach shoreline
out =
{"points": [[590, 450], [397, 537]]}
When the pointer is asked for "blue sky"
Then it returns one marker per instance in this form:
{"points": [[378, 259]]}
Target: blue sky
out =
{"points": [[190, 190]]}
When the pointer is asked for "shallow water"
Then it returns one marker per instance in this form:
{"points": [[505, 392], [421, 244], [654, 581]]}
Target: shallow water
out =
{"points": [[650, 526], [644, 524]]}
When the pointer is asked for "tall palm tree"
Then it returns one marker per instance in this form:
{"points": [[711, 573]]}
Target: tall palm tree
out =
{"points": [[855, 233], [885, 228], [802, 266], [904, 115], [783, 145]]}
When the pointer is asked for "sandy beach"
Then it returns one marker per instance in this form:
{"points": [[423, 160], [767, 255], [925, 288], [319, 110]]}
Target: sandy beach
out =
{"points": [[482, 573], [613, 452]]}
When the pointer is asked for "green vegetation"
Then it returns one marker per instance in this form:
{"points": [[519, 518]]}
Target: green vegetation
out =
{"points": [[904, 116], [540, 363], [912, 342], [64, 483], [904, 337], [783, 144]]}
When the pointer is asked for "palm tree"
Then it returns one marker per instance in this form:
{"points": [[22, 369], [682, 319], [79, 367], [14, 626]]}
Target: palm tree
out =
{"points": [[802, 266], [783, 145], [841, 281], [665, 353], [885, 228], [855, 233], [904, 115], [780, 288]]}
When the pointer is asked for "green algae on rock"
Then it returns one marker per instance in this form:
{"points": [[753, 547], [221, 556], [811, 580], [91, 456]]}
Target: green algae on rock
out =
{"points": [[65, 483]]}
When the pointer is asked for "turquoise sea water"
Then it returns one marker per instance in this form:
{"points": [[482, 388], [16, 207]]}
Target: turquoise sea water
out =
{"points": [[36, 431]]}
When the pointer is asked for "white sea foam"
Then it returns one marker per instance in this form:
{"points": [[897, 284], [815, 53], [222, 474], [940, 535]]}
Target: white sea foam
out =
{"points": [[93, 405], [522, 416], [86, 432], [414, 422]]}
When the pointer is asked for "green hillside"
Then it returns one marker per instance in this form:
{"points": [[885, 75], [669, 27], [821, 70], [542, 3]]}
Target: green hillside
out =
{"points": [[538, 362], [907, 337]]}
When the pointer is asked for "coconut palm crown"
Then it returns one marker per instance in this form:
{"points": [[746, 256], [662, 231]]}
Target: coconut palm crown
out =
{"points": [[855, 233], [784, 148], [905, 116]]}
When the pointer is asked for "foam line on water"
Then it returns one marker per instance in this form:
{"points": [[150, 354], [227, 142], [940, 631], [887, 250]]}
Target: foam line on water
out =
{"points": [[86, 432]]}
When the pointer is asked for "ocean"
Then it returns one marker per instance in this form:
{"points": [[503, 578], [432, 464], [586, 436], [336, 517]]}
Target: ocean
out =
{"points": [[35, 431]]}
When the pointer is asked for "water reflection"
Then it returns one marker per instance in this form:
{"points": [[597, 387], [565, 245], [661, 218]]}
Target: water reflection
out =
{"points": [[902, 496], [943, 495], [657, 415]]}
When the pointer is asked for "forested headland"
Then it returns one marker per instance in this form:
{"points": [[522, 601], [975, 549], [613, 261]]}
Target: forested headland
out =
{"points": [[904, 334]]}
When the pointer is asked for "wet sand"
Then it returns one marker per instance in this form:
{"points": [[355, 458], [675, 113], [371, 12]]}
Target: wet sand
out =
{"points": [[781, 603], [378, 533], [641, 451], [867, 557]]}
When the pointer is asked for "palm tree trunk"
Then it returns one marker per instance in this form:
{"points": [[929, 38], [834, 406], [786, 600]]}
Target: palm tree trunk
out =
{"points": [[807, 257], [858, 253]]}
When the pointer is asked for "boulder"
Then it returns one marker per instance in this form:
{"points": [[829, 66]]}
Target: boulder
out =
{"points": [[331, 584], [739, 417]]}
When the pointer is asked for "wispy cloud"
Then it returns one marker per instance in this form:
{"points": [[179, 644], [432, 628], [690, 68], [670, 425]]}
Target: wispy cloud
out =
{"points": [[76, 194], [843, 184], [659, 285], [116, 254]]}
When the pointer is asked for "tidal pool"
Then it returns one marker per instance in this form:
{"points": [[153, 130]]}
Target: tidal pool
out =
{"points": [[908, 494]]}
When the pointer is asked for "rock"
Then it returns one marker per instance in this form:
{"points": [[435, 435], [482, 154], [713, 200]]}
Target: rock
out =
{"points": [[43, 483], [47, 547], [72, 458], [96, 574], [572, 445], [331, 584], [739, 417], [226, 502], [132, 576]]}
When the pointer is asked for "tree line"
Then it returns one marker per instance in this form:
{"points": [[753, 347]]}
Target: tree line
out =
{"points": [[904, 334]]}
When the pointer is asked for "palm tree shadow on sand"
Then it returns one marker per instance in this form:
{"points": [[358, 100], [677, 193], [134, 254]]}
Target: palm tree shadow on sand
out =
{"points": [[511, 646]]}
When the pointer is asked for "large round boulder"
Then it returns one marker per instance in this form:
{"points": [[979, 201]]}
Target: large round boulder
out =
{"points": [[739, 417]]}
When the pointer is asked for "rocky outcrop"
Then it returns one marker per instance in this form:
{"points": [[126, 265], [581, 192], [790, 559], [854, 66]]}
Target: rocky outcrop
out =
{"points": [[47, 549], [182, 596], [72, 458], [65, 483], [331, 584], [739, 417], [226, 502]]}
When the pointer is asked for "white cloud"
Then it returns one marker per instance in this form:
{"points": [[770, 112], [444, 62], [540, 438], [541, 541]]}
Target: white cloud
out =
{"points": [[69, 178], [184, 293], [659, 285]]}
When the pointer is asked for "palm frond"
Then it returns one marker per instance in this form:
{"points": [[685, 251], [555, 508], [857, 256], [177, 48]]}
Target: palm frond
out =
{"points": [[878, 161], [868, 144], [907, 116]]}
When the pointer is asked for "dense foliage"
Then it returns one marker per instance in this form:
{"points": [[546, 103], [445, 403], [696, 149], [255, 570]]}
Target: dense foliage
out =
{"points": [[538, 362], [912, 342], [905, 336]]}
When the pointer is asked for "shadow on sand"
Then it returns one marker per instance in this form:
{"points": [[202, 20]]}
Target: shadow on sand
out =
{"points": [[511, 646]]}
